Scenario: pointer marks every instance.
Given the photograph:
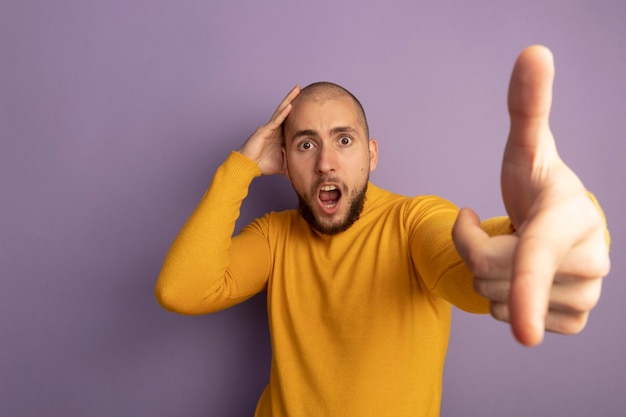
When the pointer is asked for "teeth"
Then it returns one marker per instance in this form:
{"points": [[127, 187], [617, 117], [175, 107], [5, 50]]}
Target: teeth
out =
{"points": [[329, 188]]}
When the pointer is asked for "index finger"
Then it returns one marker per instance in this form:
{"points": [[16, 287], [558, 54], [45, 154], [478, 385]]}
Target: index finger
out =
{"points": [[278, 115], [535, 263]]}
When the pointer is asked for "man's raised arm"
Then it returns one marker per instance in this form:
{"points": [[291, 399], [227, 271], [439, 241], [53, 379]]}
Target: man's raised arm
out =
{"points": [[206, 269]]}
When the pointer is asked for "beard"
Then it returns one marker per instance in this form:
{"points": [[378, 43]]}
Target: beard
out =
{"points": [[329, 228]]}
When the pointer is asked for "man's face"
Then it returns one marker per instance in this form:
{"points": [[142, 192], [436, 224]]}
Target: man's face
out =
{"points": [[328, 159]]}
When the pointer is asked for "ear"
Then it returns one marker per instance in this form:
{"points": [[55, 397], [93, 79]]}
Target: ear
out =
{"points": [[285, 166], [373, 150]]}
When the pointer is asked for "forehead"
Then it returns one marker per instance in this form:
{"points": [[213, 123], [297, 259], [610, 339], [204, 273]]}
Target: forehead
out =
{"points": [[322, 115]]}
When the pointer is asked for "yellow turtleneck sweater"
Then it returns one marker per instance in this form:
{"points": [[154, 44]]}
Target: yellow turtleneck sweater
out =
{"points": [[359, 321]]}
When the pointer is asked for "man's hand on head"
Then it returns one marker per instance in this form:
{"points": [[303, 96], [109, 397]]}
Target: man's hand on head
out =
{"points": [[265, 145]]}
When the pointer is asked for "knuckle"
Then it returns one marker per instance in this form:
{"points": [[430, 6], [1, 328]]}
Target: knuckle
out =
{"points": [[584, 298], [500, 311], [492, 289], [597, 264], [593, 258], [603, 265], [580, 323], [568, 324], [591, 297], [477, 263], [576, 323], [480, 287]]}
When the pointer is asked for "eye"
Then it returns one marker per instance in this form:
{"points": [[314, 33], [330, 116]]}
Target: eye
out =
{"points": [[305, 146], [345, 140]]}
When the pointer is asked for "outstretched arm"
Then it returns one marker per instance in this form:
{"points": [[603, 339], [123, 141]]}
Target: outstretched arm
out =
{"points": [[548, 275]]}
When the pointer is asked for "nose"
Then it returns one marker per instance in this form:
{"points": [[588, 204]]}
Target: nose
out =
{"points": [[326, 160]]}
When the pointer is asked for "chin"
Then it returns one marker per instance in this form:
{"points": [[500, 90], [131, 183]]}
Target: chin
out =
{"points": [[331, 227], [334, 225]]}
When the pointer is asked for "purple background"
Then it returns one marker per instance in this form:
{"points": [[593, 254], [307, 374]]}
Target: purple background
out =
{"points": [[114, 115]]}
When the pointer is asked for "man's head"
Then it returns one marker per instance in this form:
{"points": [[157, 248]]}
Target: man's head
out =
{"points": [[328, 156]]}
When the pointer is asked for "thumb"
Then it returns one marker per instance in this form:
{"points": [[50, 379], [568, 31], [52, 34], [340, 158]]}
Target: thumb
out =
{"points": [[530, 96]]}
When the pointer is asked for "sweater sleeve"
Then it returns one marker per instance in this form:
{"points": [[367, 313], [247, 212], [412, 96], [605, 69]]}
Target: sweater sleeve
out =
{"points": [[435, 257], [206, 269]]}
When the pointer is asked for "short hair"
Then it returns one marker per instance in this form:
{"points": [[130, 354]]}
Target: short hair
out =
{"points": [[325, 90]]}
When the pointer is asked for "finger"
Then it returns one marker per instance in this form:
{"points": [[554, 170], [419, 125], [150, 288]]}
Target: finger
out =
{"points": [[500, 311], [486, 257], [586, 261], [534, 266], [566, 323], [280, 110], [556, 321], [468, 236], [572, 295], [495, 290], [589, 257], [530, 151], [530, 96], [568, 294]]}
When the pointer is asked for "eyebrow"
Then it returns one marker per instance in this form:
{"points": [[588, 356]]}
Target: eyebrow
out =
{"points": [[334, 131]]}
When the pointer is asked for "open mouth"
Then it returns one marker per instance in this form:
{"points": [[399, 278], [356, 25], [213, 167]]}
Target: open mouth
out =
{"points": [[329, 196]]}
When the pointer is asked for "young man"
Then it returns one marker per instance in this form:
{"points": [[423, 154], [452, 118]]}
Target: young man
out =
{"points": [[360, 281]]}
